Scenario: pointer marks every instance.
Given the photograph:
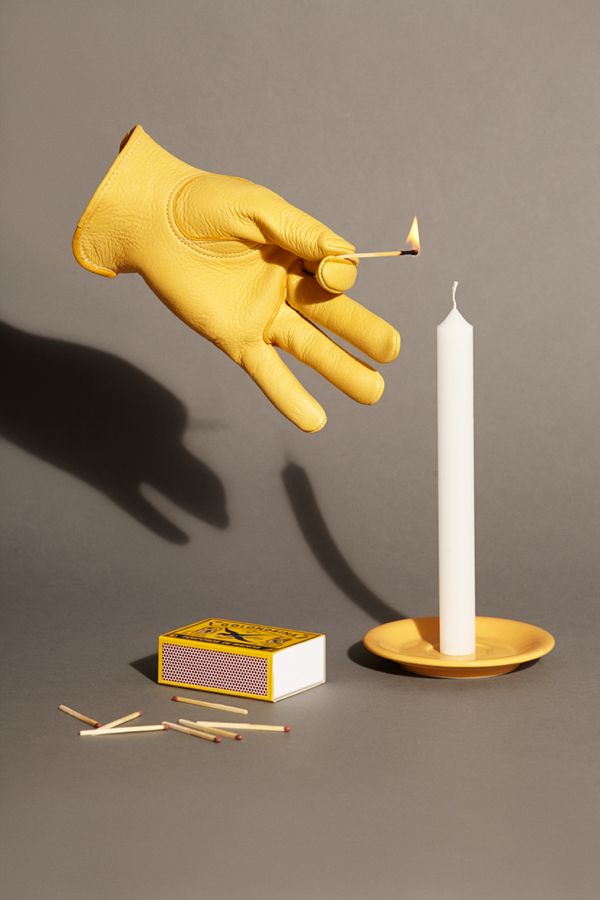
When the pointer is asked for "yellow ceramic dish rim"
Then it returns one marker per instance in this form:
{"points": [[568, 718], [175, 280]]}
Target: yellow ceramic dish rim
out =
{"points": [[545, 643]]}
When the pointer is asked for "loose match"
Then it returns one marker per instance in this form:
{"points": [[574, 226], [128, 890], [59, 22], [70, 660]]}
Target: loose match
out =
{"points": [[247, 726], [223, 706], [222, 732], [121, 721], [132, 729], [77, 715], [194, 732]]}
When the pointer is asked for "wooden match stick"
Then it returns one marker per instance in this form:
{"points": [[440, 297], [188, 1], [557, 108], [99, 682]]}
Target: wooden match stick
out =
{"points": [[80, 716], [378, 253], [247, 725], [132, 729], [209, 728], [194, 732], [121, 721], [237, 709], [412, 238]]}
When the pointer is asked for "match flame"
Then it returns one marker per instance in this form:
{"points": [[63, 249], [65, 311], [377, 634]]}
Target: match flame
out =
{"points": [[412, 238]]}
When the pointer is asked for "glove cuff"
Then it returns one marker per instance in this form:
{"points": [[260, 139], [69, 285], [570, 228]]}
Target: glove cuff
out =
{"points": [[117, 220]]}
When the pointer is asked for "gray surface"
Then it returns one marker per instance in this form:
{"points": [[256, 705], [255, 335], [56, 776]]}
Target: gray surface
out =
{"points": [[482, 117]]}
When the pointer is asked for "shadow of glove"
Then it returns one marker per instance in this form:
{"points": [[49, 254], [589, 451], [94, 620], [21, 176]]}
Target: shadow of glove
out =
{"points": [[240, 266]]}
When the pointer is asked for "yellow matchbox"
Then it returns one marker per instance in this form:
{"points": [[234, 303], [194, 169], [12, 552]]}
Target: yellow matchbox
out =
{"points": [[241, 658]]}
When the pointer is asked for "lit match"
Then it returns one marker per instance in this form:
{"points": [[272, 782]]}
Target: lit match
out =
{"points": [[412, 238]]}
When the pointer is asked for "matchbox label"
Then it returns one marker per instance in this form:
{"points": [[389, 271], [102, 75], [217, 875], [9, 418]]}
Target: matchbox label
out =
{"points": [[242, 635]]}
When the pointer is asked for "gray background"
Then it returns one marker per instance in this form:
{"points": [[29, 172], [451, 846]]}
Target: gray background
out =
{"points": [[482, 117]]}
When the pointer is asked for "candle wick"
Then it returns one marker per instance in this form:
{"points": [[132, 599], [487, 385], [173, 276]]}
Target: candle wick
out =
{"points": [[454, 286]]}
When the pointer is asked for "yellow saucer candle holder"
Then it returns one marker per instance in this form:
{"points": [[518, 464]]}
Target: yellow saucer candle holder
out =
{"points": [[501, 645]]}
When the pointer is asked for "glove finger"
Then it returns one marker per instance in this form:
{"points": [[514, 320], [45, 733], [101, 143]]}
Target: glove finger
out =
{"points": [[345, 317], [280, 385], [334, 273], [289, 227], [304, 341]]}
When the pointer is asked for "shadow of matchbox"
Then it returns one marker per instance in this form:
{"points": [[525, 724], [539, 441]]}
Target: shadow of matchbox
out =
{"points": [[242, 659]]}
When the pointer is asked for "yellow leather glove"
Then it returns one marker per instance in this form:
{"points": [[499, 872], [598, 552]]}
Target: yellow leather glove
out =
{"points": [[241, 267]]}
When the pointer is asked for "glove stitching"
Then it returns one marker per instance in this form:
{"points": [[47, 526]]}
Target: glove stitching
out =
{"points": [[203, 251]]}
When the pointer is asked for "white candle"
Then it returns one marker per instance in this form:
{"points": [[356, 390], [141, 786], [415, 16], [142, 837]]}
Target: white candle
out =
{"points": [[456, 502]]}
